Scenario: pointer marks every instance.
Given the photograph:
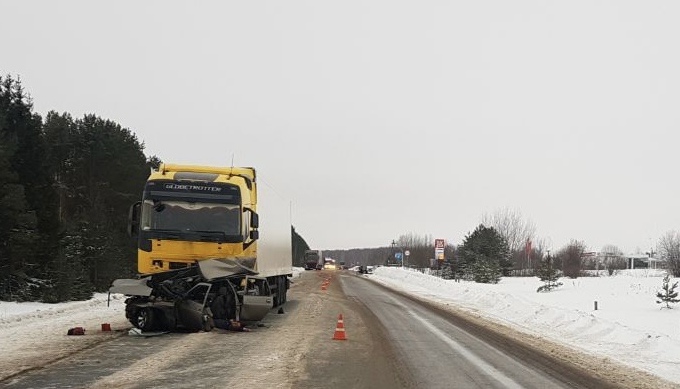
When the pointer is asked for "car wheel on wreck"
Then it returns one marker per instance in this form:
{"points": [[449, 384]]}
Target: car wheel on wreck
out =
{"points": [[145, 319], [208, 322]]}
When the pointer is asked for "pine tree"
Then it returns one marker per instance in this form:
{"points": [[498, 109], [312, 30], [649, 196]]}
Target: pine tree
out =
{"points": [[667, 294], [548, 274], [447, 273], [299, 246], [100, 169], [28, 226], [484, 256]]}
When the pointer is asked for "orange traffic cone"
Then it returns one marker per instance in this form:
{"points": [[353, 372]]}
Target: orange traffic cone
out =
{"points": [[340, 329]]}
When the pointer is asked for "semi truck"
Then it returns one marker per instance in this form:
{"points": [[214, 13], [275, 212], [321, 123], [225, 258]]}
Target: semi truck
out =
{"points": [[213, 247], [313, 260]]}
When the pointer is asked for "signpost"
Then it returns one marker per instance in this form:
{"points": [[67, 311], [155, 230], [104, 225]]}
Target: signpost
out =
{"points": [[439, 245], [401, 255]]}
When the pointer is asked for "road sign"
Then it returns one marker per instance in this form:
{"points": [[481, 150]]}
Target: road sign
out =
{"points": [[439, 245], [397, 256], [407, 253]]}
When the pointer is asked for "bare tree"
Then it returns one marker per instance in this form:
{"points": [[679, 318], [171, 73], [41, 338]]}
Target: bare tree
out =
{"points": [[420, 247], [411, 240], [669, 249], [526, 263], [512, 226], [517, 232], [540, 247], [571, 257], [612, 258]]}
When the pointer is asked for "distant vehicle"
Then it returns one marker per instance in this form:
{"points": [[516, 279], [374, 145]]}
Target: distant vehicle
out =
{"points": [[313, 260], [329, 264]]}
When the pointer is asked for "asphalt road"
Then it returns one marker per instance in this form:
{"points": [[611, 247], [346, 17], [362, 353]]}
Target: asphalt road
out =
{"points": [[436, 351]]}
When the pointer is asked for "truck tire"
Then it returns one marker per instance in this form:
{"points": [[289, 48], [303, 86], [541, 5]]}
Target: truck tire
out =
{"points": [[276, 295], [145, 319], [281, 290], [278, 291]]}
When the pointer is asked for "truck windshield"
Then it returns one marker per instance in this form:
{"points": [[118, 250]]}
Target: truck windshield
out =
{"points": [[180, 216]]}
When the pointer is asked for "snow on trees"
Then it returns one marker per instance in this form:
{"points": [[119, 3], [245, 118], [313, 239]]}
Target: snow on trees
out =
{"points": [[548, 274], [667, 294]]}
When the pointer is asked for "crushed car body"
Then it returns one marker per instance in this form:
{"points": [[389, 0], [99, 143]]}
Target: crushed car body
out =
{"points": [[199, 297]]}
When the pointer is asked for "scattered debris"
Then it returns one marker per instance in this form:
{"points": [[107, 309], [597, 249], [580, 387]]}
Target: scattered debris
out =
{"points": [[76, 331], [147, 334]]}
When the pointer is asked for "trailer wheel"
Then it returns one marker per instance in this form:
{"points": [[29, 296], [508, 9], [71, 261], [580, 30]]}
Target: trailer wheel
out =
{"points": [[145, 319], [281, 290], [277, 297]]}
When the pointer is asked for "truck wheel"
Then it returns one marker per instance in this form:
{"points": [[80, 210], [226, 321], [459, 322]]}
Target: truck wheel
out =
{"points": [[145, 319], [284, 289], [281, 290], [277, 298], [280, 293]]}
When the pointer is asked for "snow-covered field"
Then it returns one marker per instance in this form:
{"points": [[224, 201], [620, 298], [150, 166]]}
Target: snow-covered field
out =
{"points": [[628, 326]]}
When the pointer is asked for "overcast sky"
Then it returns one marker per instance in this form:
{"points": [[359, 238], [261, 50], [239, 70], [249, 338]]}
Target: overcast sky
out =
{"points": [[380, 118]]}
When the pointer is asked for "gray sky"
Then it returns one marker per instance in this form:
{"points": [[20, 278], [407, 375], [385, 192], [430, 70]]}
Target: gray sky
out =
{"points": [[378, 118]]}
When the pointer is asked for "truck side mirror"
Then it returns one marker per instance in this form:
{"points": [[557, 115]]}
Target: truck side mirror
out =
{"points": [[254, 220], [254, 234], [133, 219]]}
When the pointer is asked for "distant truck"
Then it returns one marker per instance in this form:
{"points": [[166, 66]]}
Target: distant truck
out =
{"points": [[313, 260], [212, 247]]}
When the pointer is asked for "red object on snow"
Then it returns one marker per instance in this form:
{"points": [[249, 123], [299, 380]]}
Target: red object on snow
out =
{"points": [[76, 331]]}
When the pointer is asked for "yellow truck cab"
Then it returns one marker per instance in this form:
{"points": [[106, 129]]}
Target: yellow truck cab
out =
{"points": [[190, 213]]}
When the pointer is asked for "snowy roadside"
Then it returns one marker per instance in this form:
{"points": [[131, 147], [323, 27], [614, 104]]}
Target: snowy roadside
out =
{"points": [[628, 327], [35, 334]]}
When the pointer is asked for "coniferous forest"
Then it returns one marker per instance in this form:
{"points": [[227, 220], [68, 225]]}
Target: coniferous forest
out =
{"points": [[67, 184]]}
